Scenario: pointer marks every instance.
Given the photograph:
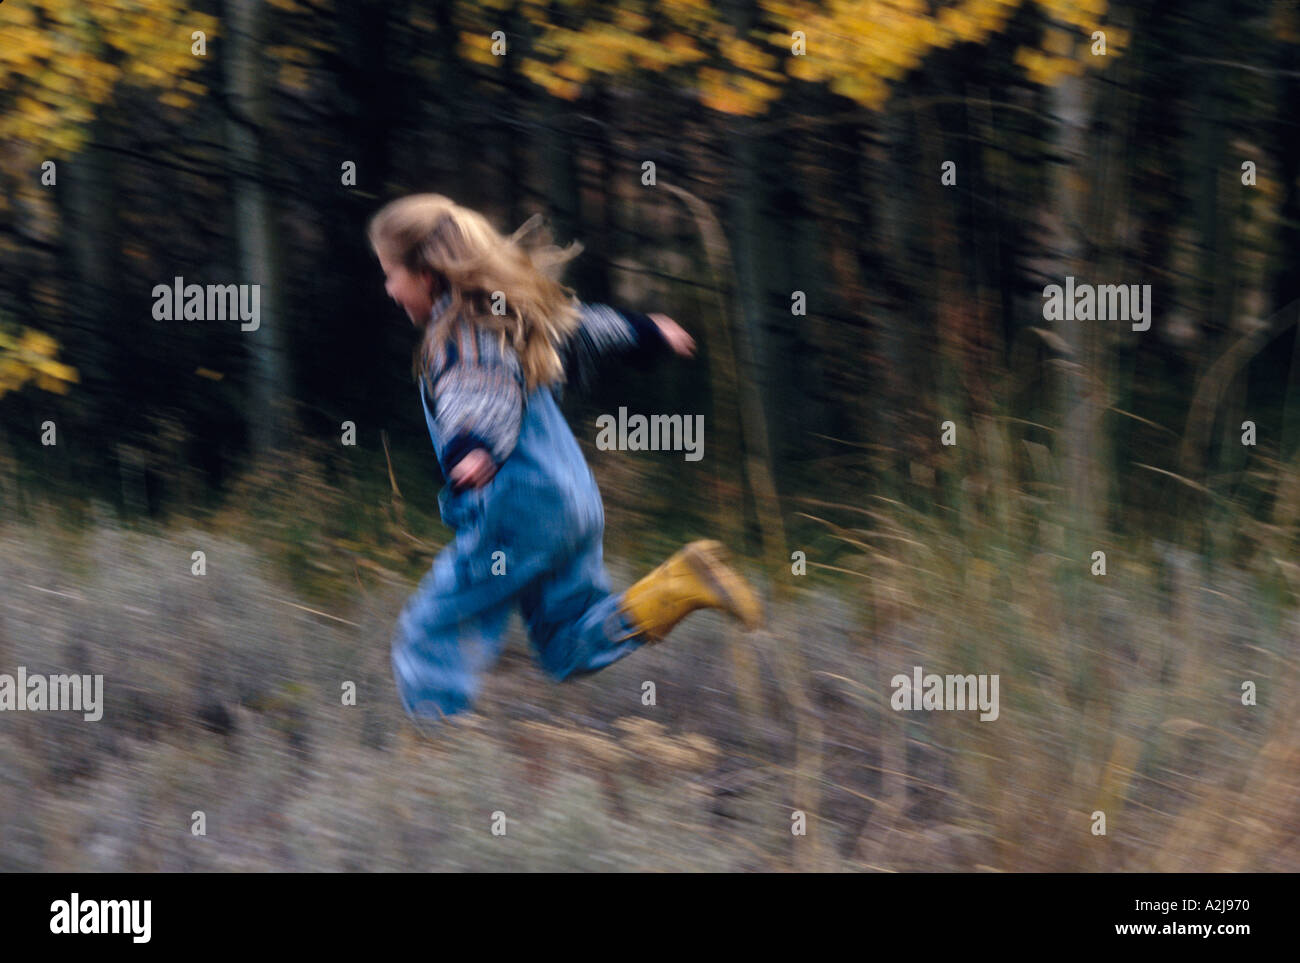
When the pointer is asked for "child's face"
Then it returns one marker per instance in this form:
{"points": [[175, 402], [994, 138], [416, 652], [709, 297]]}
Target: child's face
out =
{"points": [[413, 291]]}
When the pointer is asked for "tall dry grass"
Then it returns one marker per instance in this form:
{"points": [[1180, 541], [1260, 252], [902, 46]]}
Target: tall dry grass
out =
{"points": [[1118, 693]]}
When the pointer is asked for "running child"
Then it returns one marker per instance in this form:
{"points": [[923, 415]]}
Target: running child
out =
{"points": [[500, 336]]}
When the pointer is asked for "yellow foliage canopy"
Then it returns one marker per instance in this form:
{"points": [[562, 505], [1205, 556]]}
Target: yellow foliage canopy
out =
{"points": [[855, 47], [52, 75]]}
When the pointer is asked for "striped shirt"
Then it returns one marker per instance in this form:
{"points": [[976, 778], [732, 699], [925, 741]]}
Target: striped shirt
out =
{"points": [[474, 391]]}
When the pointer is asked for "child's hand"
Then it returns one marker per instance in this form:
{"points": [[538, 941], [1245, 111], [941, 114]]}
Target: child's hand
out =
{"points": [[676, 336], [474, 470]]}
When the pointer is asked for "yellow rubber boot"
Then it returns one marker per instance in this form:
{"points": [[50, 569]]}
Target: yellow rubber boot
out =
{"points": [[696, 577]]}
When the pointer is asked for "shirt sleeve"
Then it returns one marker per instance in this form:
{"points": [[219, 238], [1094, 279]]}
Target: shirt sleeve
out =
{"points": [[603, 330], [478, 398]]}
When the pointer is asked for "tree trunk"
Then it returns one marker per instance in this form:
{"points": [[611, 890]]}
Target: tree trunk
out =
{"points": [[1066, 219], [257, 251]]}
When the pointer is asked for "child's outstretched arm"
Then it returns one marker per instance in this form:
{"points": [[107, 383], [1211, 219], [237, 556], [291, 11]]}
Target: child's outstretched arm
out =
{"points": [[478, 396], [603, 330]]}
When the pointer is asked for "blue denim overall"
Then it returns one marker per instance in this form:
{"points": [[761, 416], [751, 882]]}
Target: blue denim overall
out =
{"points": [[531, 537]]}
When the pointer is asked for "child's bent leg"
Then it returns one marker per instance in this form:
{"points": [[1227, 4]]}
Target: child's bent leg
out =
{"points": [[573, 619], [449, 632]]}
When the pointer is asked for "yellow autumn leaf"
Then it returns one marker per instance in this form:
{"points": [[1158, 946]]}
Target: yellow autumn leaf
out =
{"points": [[1116, 39], [682, 48], [58, 370], [148, 71], [477, 48], [52, 385], [572, 71], [632, 20], [295, 78], [566, 90], [38, 343], [1057, 42]]}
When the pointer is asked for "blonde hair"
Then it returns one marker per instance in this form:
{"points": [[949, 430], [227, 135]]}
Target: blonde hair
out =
{"points": [[472, 260]]}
